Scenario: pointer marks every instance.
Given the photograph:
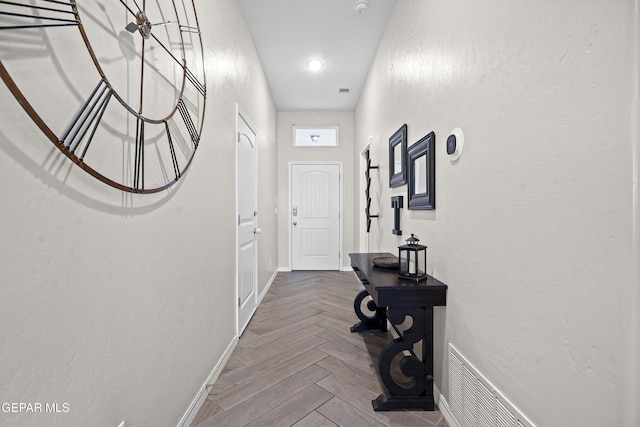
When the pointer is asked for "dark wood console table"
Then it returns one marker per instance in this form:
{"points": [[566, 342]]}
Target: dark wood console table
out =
{"points": [[392, 299]]}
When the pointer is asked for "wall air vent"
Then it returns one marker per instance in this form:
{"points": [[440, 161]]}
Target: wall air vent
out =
{"points": [[473, 400], [344, 90]]}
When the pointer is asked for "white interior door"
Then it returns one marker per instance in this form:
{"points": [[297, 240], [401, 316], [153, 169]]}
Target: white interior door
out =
{"points": [[247, 175], [315, 216]]}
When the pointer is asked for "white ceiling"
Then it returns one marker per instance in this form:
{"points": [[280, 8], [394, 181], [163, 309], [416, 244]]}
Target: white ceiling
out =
{"points": [[288, 33]]}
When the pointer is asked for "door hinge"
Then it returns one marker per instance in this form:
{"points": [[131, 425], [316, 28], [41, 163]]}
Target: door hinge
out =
{"points": [[239, 303], [238, 219]]}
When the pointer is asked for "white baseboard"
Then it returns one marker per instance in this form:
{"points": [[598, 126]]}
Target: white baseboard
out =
{"points": [[191, 413], [193, 409], [443, 405], [287, 269], [266, 288]]}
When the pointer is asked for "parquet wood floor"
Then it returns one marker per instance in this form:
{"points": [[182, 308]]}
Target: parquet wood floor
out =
{"points": [[298, 364]]}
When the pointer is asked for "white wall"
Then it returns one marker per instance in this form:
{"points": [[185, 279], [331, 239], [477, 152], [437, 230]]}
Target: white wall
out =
{"points": [[122, 305], [533, 229], [287, 153]]}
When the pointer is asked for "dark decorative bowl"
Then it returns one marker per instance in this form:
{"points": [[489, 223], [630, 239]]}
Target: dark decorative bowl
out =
{"points": [[386, 261]]}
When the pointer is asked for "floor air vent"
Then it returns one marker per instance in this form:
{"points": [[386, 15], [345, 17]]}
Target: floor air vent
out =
{"points": [[474, 402]]}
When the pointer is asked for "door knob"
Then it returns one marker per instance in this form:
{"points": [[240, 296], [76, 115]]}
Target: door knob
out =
{"points": [[295, 223], [257, 230]]}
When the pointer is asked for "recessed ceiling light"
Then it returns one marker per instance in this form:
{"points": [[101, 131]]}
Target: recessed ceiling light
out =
{"points": [[314, 65]]}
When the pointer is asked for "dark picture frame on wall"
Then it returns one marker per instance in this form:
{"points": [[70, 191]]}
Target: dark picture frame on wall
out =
{"points": [[397, 157], [422, 173]]}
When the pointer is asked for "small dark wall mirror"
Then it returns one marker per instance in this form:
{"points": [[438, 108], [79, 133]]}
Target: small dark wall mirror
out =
{"points": [[397, 157], [422, 173]]}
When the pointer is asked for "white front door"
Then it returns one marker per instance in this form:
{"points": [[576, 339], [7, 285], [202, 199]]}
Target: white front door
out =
{"points": [[247, 180], [315, 217]]}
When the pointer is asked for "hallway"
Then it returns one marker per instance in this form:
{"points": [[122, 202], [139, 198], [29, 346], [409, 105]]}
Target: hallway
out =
{"points": [[121, 305], [298, 364]]}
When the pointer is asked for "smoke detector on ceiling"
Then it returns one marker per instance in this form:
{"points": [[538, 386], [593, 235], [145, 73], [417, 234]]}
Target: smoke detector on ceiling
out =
{"points": [[360, 6]]}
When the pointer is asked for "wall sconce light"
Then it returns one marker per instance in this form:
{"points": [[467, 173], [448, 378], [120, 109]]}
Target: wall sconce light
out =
{"points": [[396, 204]]}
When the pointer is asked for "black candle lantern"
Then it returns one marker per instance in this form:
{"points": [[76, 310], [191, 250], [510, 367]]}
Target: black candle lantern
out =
{"points": [[413, 260]]}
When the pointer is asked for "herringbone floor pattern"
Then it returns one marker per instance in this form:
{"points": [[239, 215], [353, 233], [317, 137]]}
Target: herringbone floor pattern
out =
{"points": [[297, 363]]}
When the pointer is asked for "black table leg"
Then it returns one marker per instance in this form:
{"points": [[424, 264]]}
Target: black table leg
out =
{"points": [[417, 392], [379, 319]]}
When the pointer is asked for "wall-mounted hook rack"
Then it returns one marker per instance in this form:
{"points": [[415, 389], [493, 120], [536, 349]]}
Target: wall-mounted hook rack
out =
{"points": [[367, 191]]}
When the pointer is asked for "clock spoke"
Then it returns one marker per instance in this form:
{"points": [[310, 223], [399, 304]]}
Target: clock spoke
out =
{"points": [[84, 124], [190, 76], [40, 14], [124, 3], [141, 75], [196, 83], [140, 9]]}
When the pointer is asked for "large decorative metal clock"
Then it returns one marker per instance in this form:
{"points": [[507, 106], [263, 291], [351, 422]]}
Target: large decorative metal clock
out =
{"points": [[118, 86]]}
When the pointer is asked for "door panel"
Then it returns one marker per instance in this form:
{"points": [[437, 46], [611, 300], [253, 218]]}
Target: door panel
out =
{"points": [[314, 200], [315, 242], [315, 217], [247, 222]]}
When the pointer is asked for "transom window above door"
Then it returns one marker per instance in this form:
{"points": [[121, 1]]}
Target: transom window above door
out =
{"points": [[316, 136]]}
